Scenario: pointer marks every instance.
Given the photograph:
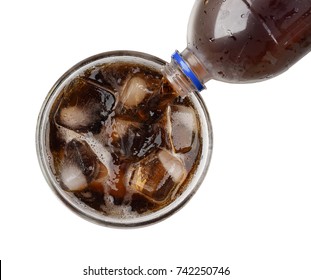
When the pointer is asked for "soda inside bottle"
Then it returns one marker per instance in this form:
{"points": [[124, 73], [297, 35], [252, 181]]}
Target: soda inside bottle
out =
{"points": [[243, 41]]}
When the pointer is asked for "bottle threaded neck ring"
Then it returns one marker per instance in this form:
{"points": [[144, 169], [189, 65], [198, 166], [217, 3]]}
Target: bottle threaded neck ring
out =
{"points": [[187, 71]]}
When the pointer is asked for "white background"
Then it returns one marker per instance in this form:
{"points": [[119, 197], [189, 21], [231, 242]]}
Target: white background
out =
{"points": [[252, 212]]}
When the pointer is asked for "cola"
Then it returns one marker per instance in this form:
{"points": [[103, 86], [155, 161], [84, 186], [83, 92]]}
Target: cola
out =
{"points": [[121, 141], [242, 41]]}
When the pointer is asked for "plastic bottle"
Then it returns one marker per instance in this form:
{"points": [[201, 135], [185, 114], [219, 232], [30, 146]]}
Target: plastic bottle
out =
{"points": [[241, 41]]}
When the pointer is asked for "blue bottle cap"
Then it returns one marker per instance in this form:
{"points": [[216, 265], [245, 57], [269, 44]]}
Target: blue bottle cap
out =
{"points": [[187, 71]]}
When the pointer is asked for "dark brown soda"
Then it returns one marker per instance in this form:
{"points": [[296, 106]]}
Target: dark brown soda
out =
{"points": [[249, 40], [90, 125]]}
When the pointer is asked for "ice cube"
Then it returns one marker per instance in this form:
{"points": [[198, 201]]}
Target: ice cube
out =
{"points": [[173, 166], [73, 178], [157, 176], [121, 126], [183, 127], [75, 118], [66, 134], [92, 198], [130, 138], [140, 142], [140, 203], [113, 171], [93, 194], [84, 106], [134, 92], [80, 166]]}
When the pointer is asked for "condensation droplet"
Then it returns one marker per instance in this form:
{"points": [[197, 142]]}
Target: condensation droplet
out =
{"points": [[231, 36], [222, 74]]}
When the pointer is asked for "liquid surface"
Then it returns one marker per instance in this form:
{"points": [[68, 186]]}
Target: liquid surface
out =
{"points": [[122, 141], [249, 40]]}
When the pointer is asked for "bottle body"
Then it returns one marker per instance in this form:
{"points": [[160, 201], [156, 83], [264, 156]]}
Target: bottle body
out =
{"points": [[243, 41]]}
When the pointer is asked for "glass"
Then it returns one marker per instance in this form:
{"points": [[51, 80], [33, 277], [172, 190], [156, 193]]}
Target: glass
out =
{"points": [[43, 138]]}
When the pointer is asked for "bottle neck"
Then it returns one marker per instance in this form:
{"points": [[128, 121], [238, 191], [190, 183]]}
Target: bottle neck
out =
{"points": [[186, 73]]}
